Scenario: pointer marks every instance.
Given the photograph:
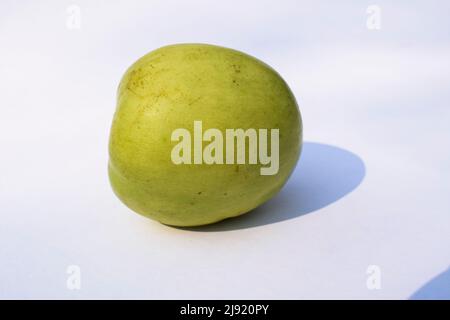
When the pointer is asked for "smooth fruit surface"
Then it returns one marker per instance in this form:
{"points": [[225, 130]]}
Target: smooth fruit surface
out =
{"points": [[174, 86]]}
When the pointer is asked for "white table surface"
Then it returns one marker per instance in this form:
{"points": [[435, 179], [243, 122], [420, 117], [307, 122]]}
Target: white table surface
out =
{"points": [[372, 186]]}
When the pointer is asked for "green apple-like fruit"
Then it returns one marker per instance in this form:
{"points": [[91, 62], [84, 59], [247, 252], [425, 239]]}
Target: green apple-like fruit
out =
{"points": [[179, 87]]}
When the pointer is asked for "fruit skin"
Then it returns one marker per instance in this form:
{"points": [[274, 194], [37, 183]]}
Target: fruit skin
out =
{"points": [[170, 88]]}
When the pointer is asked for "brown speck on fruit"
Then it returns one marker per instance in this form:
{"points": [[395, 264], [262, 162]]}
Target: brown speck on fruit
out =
{"points": [[199, 192], [194, 101], [236, 68]]}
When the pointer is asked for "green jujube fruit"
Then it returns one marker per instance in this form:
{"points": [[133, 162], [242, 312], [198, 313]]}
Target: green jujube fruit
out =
{"points": [[175, 86]]}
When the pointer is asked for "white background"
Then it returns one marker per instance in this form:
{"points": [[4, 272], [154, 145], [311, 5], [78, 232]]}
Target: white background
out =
{"points": [[372, 186]]}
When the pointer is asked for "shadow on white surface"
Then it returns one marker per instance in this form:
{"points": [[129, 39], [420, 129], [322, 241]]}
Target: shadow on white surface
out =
{"points": [[323, 175], [437, 288]]}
